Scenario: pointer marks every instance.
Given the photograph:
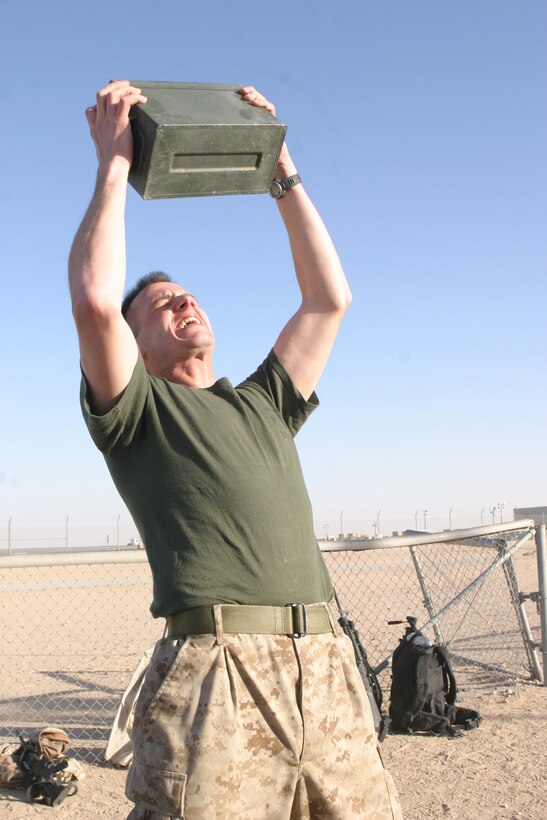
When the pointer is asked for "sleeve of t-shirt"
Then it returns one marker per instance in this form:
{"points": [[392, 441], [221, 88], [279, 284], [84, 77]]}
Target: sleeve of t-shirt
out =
{"points": [[120, 425], [272, 378]]}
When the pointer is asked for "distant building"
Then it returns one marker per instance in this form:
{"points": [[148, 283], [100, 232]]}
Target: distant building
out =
{"points": [[347, 536], [538, 514]]}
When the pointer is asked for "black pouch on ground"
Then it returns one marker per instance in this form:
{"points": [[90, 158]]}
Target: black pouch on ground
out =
{"points": [[40, 759], [424, 689]]}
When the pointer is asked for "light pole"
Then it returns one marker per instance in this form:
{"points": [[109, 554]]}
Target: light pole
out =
{"points": [[341, 525], [425, 519], [376, 525], [326, 529], [482, 517], [416, 520], [493, 514], [450, 518], [501, 507]]}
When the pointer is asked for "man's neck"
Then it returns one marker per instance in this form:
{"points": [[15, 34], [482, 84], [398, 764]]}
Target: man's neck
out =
{"points": [[194, 373]]}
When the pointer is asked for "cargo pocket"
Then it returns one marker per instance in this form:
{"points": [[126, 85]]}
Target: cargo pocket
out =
{"points": [[158, 791]]}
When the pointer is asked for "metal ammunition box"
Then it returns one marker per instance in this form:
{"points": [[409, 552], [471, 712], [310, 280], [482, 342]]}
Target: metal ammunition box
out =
{"points": [[199, 139]]}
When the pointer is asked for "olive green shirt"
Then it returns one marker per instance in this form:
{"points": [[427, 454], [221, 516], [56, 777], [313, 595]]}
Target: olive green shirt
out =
{"points": [[214, 484]]}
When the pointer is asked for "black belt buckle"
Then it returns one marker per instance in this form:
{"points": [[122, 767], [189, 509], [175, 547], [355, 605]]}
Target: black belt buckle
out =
{"points": [[299, 620]]}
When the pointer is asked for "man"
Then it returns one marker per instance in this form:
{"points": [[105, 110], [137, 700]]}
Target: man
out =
{"points": [[252, 706]]}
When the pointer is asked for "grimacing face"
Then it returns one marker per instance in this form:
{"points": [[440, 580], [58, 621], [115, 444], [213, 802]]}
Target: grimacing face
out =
{"points": [[167, 320]]}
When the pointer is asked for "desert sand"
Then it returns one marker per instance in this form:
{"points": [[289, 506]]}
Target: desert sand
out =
{"points": [[495, 771]]}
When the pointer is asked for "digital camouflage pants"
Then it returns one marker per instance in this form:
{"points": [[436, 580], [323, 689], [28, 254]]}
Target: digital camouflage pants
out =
{"points": [[246, 727]]}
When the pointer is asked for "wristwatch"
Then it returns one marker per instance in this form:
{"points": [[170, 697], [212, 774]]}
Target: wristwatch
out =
{"points": [[279, 187]]}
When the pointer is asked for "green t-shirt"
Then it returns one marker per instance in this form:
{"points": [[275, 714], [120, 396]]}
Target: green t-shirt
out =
{"points": [[213, 482]]}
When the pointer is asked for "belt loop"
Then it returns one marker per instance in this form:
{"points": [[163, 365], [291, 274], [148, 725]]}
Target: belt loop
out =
{"points": [[331, 619], [299, 617], [219, 627]]}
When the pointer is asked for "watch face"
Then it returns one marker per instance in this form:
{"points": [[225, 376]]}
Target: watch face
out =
{"points": [[276, 189]]}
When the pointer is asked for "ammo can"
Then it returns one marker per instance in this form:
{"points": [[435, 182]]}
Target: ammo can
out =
{"points": [[201, 139]]}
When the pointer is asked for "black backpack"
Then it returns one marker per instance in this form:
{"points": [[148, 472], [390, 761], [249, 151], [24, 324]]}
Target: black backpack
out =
{"points": [[423, 688]]}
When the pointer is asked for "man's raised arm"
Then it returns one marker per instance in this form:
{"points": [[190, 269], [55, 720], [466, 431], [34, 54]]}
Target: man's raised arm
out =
{"points": [[305, 342], [108, 349]]}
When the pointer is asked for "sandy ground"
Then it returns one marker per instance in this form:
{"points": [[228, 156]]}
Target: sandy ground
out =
{"points": [[495, 771]]}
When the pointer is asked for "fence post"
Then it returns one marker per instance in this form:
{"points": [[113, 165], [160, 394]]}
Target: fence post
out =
{"points": [[428, 601], [541, 550]]}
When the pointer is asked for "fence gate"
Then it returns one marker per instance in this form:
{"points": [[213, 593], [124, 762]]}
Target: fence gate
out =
{"points": [[460, 585]]}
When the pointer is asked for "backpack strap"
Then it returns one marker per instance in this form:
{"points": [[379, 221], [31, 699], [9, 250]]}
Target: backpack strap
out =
{"points": [[434, 724], [468, 718], [450, 680], [421, 689]]}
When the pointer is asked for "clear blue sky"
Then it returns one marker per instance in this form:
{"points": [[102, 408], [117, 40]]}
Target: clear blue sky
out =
{"points": [[419, 128]]}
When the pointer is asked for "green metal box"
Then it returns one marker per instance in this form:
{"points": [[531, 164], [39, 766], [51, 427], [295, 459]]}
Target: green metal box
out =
{"points": [[201, 139]]}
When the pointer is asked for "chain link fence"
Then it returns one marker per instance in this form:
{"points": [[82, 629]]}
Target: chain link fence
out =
{"points": [[71, 638], [76, 625], [462, 588]]}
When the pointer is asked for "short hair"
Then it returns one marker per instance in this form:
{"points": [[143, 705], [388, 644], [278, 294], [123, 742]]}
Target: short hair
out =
{"points": [[143, 282]]}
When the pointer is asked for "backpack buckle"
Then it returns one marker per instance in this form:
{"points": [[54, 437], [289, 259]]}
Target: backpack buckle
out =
{"points": [[299, 620]]}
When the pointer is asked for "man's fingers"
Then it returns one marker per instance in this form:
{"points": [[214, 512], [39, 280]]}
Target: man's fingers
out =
{"points": [[127, 100], [115, 92], [112, 90], [254, 97], [251, 95], [91, 115], [115, 87]]}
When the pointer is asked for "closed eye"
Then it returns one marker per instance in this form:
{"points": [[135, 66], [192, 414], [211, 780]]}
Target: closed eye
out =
{"points": [[165, 300], [162, 300]]}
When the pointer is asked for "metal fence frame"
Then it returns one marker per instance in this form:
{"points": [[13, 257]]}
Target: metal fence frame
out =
{"points": [[523, 531], [503, 560]]}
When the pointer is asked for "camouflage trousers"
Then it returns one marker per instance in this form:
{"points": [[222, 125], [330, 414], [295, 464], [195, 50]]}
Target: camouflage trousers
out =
{"points": [[246, 727]]}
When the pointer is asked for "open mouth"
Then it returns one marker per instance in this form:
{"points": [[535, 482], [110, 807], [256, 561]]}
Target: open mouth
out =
{"points": [[189, 320]]}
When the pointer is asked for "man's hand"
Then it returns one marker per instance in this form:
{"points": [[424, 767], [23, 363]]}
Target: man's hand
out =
{"points": [[285, 165], [110, 128]]}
